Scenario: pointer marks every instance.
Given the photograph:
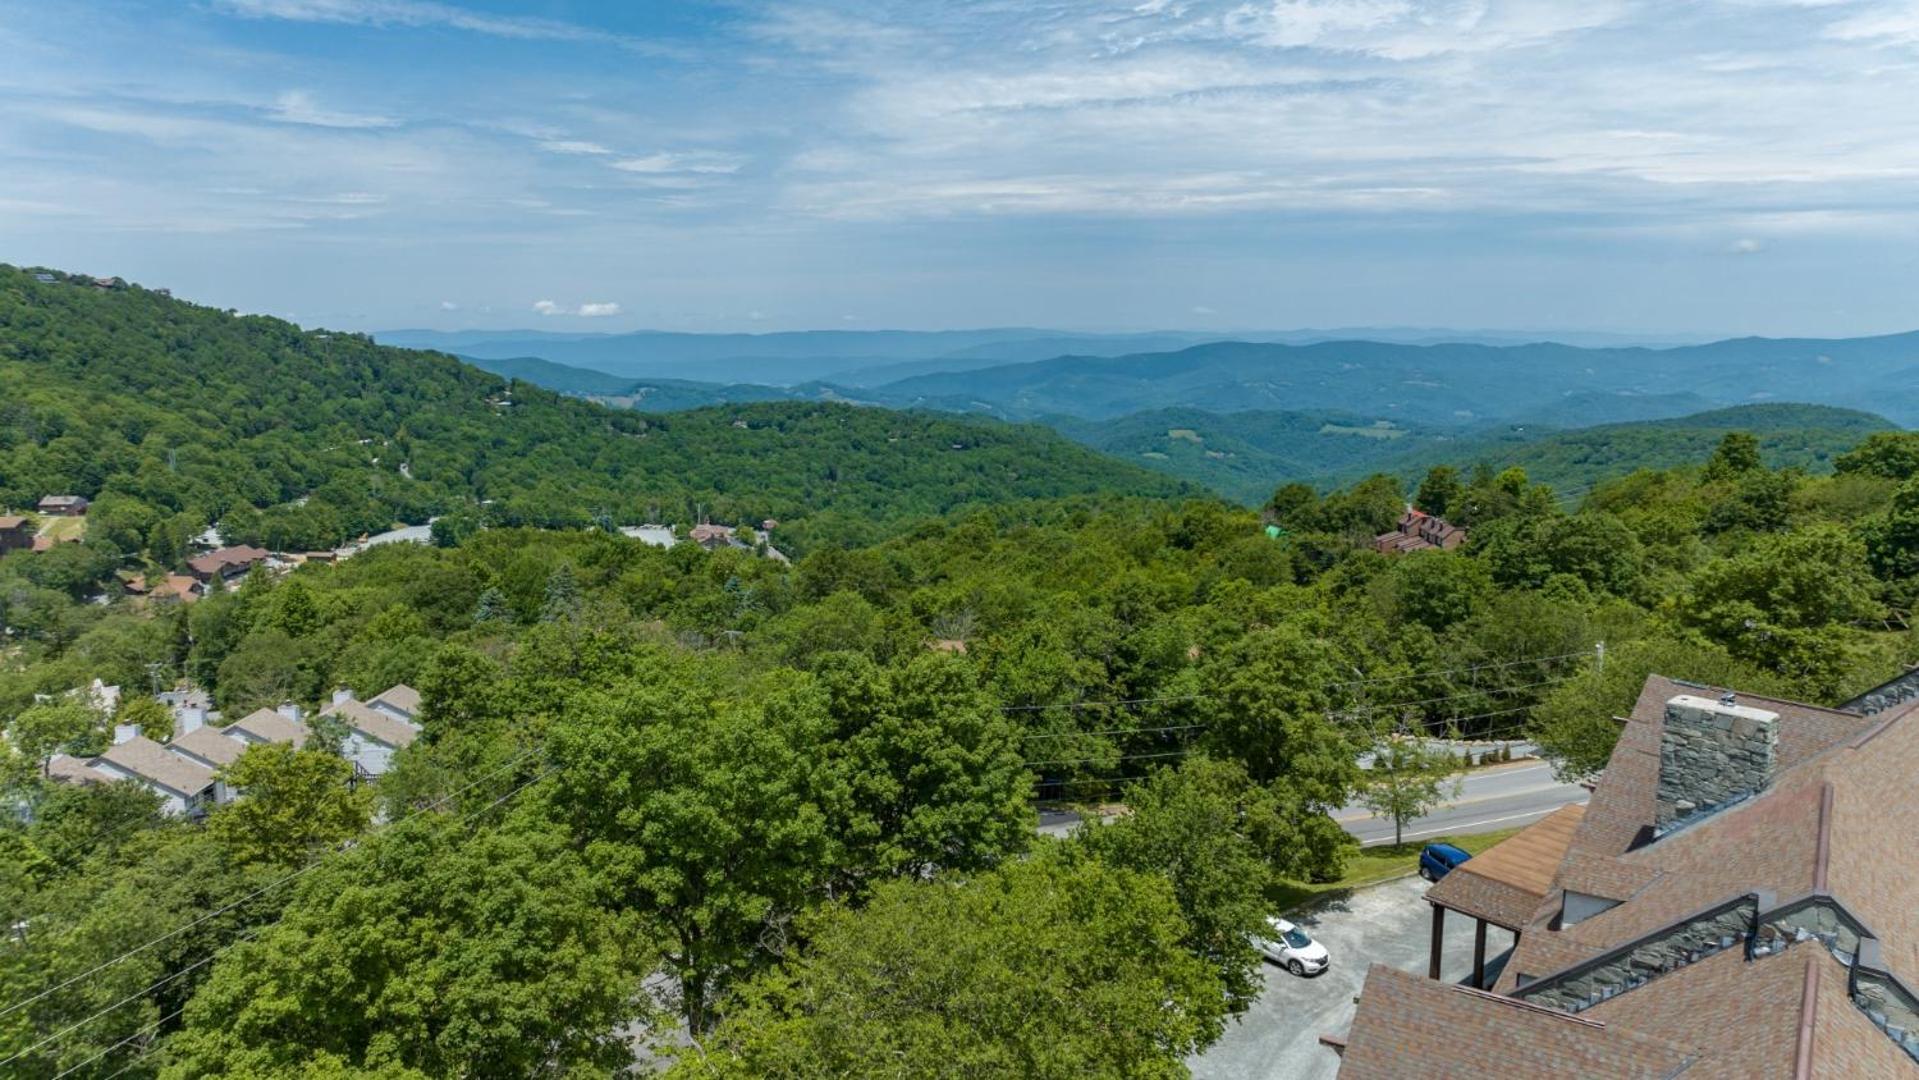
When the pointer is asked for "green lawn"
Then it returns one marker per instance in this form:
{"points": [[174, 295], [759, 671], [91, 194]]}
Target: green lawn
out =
{"points": [[1376, 864]]}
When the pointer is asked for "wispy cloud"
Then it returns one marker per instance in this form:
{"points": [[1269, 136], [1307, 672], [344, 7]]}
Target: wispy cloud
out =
{"points": [[592, 309], [573, 146], [298, 107], [416, 13], [697, 161]]}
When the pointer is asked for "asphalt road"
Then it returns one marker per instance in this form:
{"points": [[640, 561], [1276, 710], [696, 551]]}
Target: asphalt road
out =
{"points": [[1278, 1036], [1499, 797]]}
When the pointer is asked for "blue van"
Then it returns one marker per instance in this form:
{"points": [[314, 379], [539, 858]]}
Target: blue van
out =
{"points": [[1438, 860]]}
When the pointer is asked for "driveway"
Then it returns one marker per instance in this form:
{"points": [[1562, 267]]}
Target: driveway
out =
{"points": [[1278, 1037]]}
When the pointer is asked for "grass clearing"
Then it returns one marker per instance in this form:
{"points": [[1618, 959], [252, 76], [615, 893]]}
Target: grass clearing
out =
{"points": [[60, 529], [1377, 864]]}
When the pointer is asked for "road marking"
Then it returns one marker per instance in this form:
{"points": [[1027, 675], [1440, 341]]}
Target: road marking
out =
{"points": [[1461, 825]]}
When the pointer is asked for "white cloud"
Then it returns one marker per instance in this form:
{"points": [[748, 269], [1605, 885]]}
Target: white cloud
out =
{"points": [[1202, 309], [449, 305], [298, 107], [592, 309], [417, 14], [696, 161], [1745, 245], [573, 146]]}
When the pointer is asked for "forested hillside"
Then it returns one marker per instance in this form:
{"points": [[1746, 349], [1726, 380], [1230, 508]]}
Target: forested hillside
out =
{"points": [[671, 791], [1809, 437], [738, 817], [176, 416], [1244, 455]]}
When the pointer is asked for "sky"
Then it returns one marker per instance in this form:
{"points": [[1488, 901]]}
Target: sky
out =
{"points": [[1672, 166]]}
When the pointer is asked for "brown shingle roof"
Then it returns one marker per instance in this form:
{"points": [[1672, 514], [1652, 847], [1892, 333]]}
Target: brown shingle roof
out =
{"points": [[210, 746], [149, 760], [1740, 1017], [374, 725], [1505, 883], [1408, 1026], [1604, 875], [1622, 807], [1833, 819]]}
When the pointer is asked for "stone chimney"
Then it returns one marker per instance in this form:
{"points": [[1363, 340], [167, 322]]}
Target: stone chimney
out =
{"points": [[1711, 753], [289, 710], [342, 694], [125, 733]]}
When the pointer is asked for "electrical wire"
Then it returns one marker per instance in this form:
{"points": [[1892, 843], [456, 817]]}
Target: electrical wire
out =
{"points": [[247, 934], [262, 890]]}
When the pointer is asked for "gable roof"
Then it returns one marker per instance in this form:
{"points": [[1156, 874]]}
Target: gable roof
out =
{"points": [[76, 770], [218, 562], [209, 746], [375, 725], [150, 761], [1830, 824], [269, 726], [399, 696], [1412, 1026], [1505, 883]]}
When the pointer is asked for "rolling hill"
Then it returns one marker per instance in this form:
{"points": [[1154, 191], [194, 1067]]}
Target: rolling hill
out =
{"points": [[1246, 455], [173, 415], [1456, 384]]}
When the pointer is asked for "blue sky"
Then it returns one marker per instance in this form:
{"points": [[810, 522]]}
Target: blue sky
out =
{"points": [[1736, 166]]}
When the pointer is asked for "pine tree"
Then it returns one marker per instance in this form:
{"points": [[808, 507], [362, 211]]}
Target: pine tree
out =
{"points": [[562, 596], [492, 607]]}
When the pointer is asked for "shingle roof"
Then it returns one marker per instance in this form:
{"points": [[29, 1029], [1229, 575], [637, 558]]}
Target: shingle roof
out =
{"points": [[1833, 820], [399, 696], [1505, 883], [1409, 1026], [270, 726], [1606, 876], [210, 746], [75, 770], [217, 562], [374, 725], [149, 760]]}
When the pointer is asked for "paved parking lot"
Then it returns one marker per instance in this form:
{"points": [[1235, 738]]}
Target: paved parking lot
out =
{"points": [[1278, 1037]]}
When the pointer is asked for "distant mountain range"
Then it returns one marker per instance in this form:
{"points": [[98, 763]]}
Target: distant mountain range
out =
{"points": [[1243, 416], [872, 357]]}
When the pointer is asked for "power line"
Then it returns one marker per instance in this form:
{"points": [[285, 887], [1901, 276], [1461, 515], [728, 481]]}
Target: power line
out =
{"points": [[262, 890], [155, 1026], [1113, 731], [1453, 671], [1040, 707], [1489, 692], [248, 934], [1085, 761], [1100, 704]]}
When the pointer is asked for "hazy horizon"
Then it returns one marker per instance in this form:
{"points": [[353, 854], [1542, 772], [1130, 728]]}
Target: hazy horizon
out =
{"points": [[1725, 168]]}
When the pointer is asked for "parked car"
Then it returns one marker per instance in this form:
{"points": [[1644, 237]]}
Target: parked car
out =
{"points": [[1289, 947], [1438, 860]]}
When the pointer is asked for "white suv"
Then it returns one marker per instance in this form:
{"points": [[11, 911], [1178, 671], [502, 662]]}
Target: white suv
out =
{"points": [[1289, 947]]}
